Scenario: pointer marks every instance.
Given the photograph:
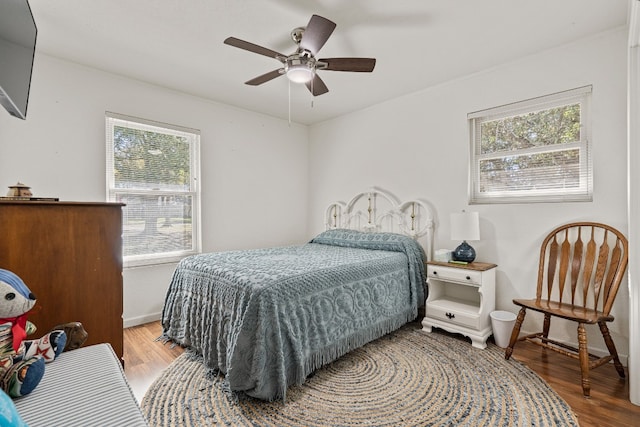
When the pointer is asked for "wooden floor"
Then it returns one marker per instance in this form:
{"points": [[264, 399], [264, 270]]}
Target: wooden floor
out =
{"points": [[609, 405], [144, 357]]}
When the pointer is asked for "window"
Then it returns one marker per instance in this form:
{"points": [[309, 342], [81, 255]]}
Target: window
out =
{"points": [[153, 168], [536, 150]]}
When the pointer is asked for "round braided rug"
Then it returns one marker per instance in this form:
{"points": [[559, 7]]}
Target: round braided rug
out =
{"points": [[407, 378]]}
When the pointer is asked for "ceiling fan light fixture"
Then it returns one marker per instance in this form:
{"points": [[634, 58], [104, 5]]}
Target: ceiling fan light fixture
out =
{"points": [[300, 73], [300, 68]]}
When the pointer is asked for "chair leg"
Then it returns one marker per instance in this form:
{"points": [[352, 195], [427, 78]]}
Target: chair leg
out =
{"points": [[583, 353], [612, 348], [515, 332], [545, 327]]}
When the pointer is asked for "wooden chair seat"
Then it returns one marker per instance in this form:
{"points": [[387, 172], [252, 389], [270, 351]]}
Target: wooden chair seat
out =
{"points": [[564, 310], [580, 268]]}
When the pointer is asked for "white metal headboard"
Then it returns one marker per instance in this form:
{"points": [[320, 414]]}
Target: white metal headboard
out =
{"points": [[376, 210]]}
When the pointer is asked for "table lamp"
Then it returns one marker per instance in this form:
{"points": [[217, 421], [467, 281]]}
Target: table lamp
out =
{"points": [[465, 226]]}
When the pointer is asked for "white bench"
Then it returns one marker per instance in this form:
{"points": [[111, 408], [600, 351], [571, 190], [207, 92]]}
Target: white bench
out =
{"points": [[84, 388]]}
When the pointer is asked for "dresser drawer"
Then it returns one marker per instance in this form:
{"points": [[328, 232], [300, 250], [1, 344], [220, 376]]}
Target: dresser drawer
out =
{"points": [[454, 311], [455, 275]]}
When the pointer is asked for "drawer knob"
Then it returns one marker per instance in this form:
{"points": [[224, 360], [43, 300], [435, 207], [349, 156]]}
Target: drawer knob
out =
{"points": [[450, 315], [468, 277], [435, 273]]}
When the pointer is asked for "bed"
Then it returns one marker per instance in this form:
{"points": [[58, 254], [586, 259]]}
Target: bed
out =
{"points": [[267, 318]]}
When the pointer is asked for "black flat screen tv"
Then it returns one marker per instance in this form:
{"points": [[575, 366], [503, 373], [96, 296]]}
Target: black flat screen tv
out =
{"points": [[18, 34]]}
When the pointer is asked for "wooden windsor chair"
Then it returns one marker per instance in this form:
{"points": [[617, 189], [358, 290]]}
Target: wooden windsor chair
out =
{"points": [[580, 270]]}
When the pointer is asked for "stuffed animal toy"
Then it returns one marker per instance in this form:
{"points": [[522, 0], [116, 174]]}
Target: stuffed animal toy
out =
{"points": [[76, 335], [22, 362]]}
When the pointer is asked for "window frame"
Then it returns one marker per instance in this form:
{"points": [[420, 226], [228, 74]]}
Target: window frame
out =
{"points": [[193, 136], [584, 192]]}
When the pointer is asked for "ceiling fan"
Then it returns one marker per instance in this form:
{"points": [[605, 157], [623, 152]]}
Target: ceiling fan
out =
{"points": [[302, 65]]}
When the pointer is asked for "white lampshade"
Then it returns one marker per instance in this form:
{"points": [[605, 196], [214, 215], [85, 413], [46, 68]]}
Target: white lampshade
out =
{"points": [[465, 226]]}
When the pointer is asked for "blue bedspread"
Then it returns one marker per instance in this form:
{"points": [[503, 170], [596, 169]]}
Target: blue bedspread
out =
{"points": [[267, 318]]}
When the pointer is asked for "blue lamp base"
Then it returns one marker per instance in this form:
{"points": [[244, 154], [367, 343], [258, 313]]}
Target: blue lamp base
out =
{"points": [[464, 252]]}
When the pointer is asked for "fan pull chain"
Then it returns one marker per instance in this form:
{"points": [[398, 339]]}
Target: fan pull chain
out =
{"points": [[289, 86]]}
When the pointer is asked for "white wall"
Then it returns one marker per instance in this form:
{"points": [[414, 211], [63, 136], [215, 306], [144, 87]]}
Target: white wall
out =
{"points": [[254, 167], [417, 147]]}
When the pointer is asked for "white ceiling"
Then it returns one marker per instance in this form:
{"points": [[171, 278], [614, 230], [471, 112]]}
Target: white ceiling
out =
{"points": [[178, 44]]}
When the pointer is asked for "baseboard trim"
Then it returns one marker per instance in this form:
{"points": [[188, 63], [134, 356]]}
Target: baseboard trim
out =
{"points": [[141, 320]]}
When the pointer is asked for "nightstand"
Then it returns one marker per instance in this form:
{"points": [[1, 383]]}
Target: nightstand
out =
{"points": [[460, 299]]}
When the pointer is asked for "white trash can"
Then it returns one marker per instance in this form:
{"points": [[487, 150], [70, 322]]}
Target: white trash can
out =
{"points": [[502, 323]]}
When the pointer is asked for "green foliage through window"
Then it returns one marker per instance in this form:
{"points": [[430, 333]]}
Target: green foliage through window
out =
{"points": [[540, 128], [146, 159]]}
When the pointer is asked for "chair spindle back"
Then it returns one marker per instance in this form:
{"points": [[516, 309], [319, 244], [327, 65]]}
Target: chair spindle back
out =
{"points": [[585, 275]]}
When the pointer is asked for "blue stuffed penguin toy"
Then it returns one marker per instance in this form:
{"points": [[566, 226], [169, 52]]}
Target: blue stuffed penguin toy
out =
{"points": [[22, 362]]}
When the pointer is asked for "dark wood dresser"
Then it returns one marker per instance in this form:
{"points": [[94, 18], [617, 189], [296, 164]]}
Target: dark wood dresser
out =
{"points": [[70, 255]]}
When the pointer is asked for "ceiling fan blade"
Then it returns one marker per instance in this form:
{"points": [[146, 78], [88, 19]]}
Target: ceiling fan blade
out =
{"points": [[316, 33], [251, 47], [265, 77], [317, 86], [363, 65]]}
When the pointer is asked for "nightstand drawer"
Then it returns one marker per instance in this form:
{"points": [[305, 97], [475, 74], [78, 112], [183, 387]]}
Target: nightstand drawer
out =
{"points": [[455, 275], [454, 311]]}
